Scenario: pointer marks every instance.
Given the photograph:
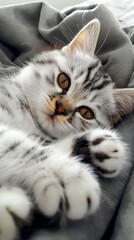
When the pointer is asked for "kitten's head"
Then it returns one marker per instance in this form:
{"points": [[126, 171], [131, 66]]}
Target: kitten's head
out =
{"points": [[67, 89]]}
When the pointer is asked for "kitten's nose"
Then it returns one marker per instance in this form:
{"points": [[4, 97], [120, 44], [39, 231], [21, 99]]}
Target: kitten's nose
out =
{"points": [[59, 109]]}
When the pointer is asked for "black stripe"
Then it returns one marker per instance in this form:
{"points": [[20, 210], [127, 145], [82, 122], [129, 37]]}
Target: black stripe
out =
{"points": [[72, 68], [5, 92], [37, 75], [87, 76], [28, 152], [86, 81], [103, 84], [12, 147], [6, 108], [79, 75], [41, 159], [24, 105], [50, 79], [41, 153], [100, 73]]}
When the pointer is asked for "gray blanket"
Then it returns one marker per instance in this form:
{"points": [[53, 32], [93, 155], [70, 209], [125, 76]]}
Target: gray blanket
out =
{"points": [[26, 29]]}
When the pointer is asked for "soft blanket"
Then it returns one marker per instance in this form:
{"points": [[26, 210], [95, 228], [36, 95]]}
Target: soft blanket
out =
{"points": [[26, 29]]}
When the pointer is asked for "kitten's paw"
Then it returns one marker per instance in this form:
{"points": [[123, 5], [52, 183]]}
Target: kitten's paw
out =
{"points": [[109, 152], [72, 190], [14, 208]]}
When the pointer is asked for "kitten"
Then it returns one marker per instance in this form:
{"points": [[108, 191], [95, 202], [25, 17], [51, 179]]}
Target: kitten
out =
{"points": [[54, 112]]}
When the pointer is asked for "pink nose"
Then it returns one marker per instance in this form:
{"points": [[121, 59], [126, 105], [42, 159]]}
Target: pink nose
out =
{"points": [[59, 108]]}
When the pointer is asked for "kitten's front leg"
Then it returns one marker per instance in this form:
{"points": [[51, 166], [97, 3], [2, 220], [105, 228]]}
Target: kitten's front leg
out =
{"points": [[73, 182], [58, 181]]}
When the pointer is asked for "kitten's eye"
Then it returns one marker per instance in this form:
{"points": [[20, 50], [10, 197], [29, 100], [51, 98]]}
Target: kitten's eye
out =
{"points": [[86, 112], [63, 81]]}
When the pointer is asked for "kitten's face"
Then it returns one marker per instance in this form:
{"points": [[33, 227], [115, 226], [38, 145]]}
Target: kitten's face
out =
{"points": [[68, 90]]}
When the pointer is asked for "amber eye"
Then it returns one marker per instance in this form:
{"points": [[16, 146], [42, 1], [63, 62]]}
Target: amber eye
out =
{"points": [[63, 81], [86, 112]]}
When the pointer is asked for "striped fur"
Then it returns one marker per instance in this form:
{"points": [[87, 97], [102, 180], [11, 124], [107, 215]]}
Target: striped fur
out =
{"points": [[55, 159]]}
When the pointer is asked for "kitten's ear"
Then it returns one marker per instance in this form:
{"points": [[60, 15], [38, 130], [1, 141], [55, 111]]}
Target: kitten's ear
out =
{"points": [[124, 99], [86, 39]]}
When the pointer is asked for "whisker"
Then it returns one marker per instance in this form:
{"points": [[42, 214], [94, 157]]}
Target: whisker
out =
{"points": [[127, 111], [11, 63], [65, 124], [121, 120], [111, 120], [22, 63], [70, 127]]}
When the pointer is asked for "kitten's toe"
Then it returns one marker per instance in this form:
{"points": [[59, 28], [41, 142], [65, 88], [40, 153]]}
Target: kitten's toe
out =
{"points": [[75, 194], [14, 209], [83, 196], [49, 194], [109, 152]]}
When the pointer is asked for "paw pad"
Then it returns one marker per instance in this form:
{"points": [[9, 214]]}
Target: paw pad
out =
{"points": [[97, 141]]}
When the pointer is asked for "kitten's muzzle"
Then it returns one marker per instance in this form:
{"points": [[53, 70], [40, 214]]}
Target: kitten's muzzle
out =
{"points": [[59, 109]]}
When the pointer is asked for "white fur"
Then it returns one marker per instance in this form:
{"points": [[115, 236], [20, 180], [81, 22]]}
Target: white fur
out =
{"points": [[16, 201], [79, 184]]}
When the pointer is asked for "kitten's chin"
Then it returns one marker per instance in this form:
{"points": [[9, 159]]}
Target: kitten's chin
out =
{"points": [[53, 130]]}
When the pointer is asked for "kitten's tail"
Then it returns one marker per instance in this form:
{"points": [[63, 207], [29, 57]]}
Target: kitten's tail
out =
{"points": [[14, 208]]}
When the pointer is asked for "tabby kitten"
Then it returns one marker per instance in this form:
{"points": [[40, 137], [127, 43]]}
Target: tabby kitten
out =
{"points": [[54, 111]]}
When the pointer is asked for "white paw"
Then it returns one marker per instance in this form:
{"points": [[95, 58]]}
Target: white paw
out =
{"points": [[109, 152], [13, 203], [71, 189]]}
